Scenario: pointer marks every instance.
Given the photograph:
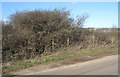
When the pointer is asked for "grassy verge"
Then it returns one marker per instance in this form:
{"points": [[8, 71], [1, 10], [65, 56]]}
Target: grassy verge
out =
{"points": [[61, 54]]}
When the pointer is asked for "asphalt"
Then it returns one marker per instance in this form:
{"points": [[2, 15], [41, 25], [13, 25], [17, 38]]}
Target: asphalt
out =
{"points": [[102, 66]]}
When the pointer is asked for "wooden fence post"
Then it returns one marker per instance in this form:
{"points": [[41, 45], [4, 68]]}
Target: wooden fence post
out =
{"points": [[52, 45], [93, 40], [68, 42]]}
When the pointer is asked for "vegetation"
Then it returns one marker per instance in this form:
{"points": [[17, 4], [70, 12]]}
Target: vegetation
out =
{"points": [[62, 54], [31, 34]]}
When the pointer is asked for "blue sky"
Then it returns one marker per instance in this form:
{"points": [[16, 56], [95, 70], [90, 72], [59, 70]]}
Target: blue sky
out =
{"points": [[101, 14]]}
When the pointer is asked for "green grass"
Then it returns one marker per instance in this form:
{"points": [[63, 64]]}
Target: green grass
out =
{"points": [[0, 70], [98, 50], [56, 56]]}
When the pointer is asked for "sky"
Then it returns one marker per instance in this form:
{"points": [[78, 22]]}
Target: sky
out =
{"points": [[101, 14]]}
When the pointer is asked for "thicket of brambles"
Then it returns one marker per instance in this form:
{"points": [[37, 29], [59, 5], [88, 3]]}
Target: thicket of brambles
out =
{"points": [[32, 33]]}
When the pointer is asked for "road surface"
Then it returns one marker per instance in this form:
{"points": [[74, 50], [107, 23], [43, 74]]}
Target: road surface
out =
{"points": [[102, 66]]}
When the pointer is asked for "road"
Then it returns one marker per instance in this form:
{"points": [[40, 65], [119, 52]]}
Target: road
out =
{"points": [[102, 66]]}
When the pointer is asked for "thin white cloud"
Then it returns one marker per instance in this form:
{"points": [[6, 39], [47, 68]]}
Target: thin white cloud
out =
{"points": [[4, 20]]}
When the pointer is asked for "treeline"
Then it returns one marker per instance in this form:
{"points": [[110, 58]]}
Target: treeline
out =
{"points": [[32, 33]]}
